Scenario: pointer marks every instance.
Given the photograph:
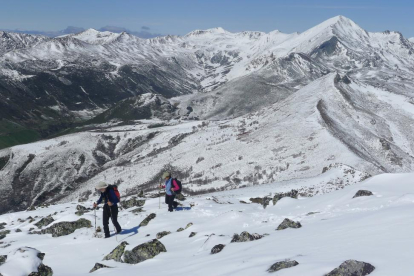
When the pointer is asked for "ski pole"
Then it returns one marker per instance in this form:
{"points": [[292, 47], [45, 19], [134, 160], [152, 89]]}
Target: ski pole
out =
{"points": [[159, 198], [94, 212]]}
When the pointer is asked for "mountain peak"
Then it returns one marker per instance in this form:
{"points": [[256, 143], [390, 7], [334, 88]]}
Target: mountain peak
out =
{"points": [[218, 30]]}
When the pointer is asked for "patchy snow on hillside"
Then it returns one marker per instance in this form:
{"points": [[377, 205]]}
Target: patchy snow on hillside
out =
{"points": [[335, 227]]}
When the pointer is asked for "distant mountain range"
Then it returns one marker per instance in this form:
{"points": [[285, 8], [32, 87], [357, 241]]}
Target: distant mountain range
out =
{"points": [[222, 109]]}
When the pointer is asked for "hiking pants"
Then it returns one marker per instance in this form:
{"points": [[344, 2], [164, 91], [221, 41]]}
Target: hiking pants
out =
{"points": [[110, 212], [169, 199]]}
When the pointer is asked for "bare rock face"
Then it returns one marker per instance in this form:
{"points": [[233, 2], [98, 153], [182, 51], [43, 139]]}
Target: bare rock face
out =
{"points": [[98, 266], [65, 227], [147, 219], [44, 221], [279, 196], [144, 252], [132, 202], [217, 248], [264, 201], [352, 268], [245, 237], [287, 223], [163, 234], [282, 265], [363, 193], [117, 253]]}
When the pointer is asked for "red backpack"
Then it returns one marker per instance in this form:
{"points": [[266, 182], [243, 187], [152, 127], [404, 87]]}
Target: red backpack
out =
{"points": [[115, 188]]}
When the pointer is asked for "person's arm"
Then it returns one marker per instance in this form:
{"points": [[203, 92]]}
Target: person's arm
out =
{"points": [[99, 200]]}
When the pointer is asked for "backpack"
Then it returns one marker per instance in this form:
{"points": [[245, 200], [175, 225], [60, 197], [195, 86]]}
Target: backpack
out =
{"points": [[180, 186], [115, 188]]}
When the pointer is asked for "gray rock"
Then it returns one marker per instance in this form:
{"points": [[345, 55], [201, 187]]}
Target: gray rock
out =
{"points": [[245, 237], [98, 266], [144, 252], [180, 197], [262, 201], [65, 227], [147, 219], [41, 255], [44, 222], [279, 196], [352, 268], [134, 201], [192, 234], [363, 193], [217, 248], [18, 230], [3, 259], [117, 253], [42, 270], [2, 225], [180, 229], [189, 225], [162, 234], [282, 265], [287, 223], [4, 233]]}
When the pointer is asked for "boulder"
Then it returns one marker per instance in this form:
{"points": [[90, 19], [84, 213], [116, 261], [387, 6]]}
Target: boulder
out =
{"points": [[245, 237], [18, 230], [279, 196], [2, 225], [144, 252], [180, 229], [162, 234], [282, 265], [189, 225], [180, 197], [65, 227], [44, 222], [132, 202], [3, 259], [363, 193], [117, 253], [352, 268], [192, 234], [42, 270], [4, 233], [217, 248], [287, 223], [262, 201], [147, 219], [98, 266]]}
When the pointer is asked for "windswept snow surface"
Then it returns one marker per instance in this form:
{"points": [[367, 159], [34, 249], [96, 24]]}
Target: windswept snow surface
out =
{"points": [[375, 229]]}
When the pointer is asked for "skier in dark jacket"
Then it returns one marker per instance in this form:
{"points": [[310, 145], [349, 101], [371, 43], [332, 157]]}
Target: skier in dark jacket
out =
{"points": [[170, 186], [110, 208]]}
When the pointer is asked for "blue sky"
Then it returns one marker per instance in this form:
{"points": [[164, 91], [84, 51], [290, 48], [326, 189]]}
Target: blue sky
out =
{"points": [[182, 16]]}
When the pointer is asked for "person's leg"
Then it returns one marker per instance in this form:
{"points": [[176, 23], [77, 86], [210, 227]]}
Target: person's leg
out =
{"points": [[170, 203], [105, 219], [114, 212], [174, 203]]}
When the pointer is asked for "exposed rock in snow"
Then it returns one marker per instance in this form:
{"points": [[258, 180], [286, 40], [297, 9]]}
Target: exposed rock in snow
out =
{"points": [[363, 193], [44, 221], [98, 266], [162, 234], [282, 265], [287, 223], [279, 196], [217, 248], [65, 227], [192, 234], [245, 237], [144, 251], [117, 253], [26, 261], [134, 201], [352, 268], [147, 219]]}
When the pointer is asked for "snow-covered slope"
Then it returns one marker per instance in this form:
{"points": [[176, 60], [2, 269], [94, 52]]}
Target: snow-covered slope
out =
{"points": [[335, 227]]}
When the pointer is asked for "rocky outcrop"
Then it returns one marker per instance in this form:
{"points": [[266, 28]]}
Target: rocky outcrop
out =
{"points": [[217, 248], [144, 252], [180, 229], [42, 270], [137, 210], [44, 221], [363, 193], [282, 265], [192, 234], [98, 266], [279, 196], [33, 258], [352, 268], [2, 225], [117, 253], [245, 237], [189, 225], [3, 259], [132, 202], [80, 210], [162, 234], [4, 233], [147, 219], [287, 223], [65, 227], [264, 201]]}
